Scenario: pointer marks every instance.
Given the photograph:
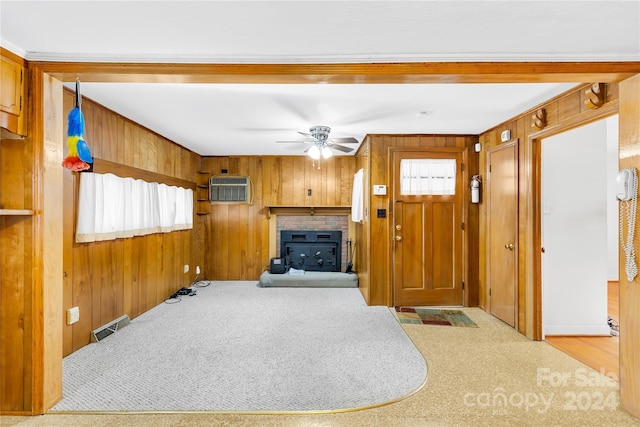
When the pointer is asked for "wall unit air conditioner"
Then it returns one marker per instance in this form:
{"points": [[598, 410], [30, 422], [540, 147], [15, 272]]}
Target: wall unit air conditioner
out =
{"points": [[229, 189]]}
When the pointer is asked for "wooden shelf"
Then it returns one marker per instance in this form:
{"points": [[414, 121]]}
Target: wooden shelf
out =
{"points": [[308, 210], [7, 134], [203, 196], [23, 212]]}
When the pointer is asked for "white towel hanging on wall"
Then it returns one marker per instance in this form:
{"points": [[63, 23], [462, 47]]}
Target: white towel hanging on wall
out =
{"points": [[357, 202]]}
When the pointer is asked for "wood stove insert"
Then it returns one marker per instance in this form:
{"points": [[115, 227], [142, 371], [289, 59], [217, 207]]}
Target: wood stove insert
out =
{"points": [[312, 250]]}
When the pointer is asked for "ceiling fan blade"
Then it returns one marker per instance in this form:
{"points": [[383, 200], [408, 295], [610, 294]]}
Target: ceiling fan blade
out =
{"points": [[341, 148], [349, 140]]}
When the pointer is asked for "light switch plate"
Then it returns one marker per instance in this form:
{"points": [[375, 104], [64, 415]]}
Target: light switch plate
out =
{"points": [[73, 315], [380, 190]]}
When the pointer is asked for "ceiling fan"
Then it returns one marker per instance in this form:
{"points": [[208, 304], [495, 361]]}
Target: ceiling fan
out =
{"points": [[322, 144]]}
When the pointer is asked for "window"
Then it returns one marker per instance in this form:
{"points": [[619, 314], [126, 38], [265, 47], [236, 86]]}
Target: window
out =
{"points": [[111, 207], [419, 177]]}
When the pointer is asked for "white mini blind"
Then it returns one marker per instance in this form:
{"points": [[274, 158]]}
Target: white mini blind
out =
{"points": [[110, 207], [420, 177]]}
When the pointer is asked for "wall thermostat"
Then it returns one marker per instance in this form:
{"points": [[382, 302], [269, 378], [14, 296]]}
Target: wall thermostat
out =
{"points": [[505, 135], [380, 190]]}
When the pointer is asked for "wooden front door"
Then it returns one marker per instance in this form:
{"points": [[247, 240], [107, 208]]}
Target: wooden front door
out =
{"points": [[427, 238], [503, 232]]}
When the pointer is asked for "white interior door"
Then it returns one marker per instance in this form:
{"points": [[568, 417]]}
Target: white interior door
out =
{"points": [[575, 179]]}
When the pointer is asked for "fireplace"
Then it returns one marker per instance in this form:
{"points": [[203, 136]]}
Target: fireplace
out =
{"points": [[312, 250]]}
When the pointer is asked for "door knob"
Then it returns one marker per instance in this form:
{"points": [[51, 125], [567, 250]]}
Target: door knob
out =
{"points": [[509, 246], [398, 227], [398, 238]]}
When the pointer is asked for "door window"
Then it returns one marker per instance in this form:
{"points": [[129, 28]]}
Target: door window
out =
{"points": [[420, 177]]}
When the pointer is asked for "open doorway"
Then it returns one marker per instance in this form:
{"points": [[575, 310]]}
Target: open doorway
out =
{"points": [[580, 241]]}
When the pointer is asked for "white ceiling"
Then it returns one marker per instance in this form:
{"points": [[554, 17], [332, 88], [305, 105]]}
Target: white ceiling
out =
{"points": [[224, 119]]}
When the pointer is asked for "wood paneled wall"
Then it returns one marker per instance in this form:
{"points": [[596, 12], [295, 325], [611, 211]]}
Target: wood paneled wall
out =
{"points": [[373, 253], [630, 290], [124, 276], [237, 234], [16, 274], [30, 250], [563, 112]]}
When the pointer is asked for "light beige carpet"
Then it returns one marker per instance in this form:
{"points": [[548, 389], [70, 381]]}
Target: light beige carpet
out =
{"points": [[470, 370], [237, 347]]}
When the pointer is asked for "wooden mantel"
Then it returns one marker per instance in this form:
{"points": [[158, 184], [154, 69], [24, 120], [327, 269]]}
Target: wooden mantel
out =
{"points": [[307, 210]]}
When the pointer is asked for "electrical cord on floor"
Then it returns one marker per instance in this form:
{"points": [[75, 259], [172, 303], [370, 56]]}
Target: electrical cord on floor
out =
{"points": [[175, 297], [199, 283], [180, 292]]}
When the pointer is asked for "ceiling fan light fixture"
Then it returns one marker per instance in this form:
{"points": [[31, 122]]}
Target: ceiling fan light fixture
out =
{"points": [[314, 152], [326, 152]]}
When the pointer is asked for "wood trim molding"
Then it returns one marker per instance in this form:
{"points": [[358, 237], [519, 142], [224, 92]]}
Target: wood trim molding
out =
{"points": [[423, 72], [535, 139], [35, 358], [514, 143], [308, 210], [387, 234], [629, 317]]}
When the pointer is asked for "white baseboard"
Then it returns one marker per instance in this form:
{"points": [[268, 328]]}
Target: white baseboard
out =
{"points": [[595, 330]]}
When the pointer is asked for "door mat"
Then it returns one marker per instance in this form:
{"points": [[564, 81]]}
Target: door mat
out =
{"points": [[433, 316]]}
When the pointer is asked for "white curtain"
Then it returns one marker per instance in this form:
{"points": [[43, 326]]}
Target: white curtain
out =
{"points": [[110, 207], [357, 202], [427, 177]]}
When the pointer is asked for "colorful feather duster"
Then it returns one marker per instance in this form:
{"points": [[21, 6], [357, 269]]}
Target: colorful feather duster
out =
{"points": [[79, 154]]}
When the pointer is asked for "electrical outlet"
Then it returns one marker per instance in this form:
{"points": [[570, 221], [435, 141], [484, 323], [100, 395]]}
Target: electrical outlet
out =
{"points": [[197, 269], [73, 315], [186, 268]]}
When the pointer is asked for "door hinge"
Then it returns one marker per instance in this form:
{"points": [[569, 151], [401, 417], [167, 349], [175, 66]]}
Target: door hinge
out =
{"points": [[462, 167], [489, 168], [463, 226], [463, 285], [489, 291]]}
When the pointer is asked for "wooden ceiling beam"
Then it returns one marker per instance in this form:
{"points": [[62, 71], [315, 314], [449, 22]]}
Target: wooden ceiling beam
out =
{"points": [[376, 73]]}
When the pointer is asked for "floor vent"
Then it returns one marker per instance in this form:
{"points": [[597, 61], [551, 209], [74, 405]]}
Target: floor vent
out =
{"points": [[104, 331]]}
